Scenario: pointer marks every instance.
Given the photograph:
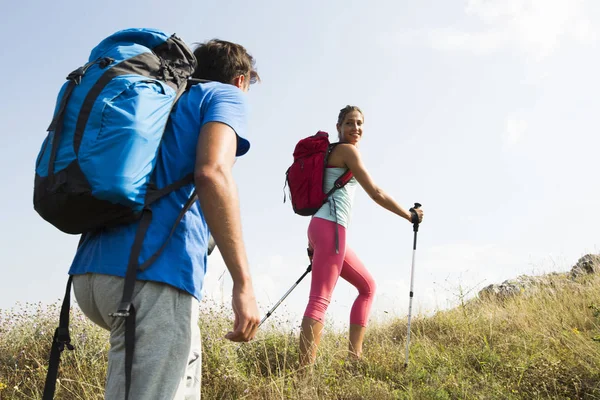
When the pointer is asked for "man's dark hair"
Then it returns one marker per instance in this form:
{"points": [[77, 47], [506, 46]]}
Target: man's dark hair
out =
{"points": [[222, 61]]}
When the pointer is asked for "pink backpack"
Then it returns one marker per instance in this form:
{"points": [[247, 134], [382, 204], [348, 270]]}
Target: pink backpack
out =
{"points": [[305, 177]]}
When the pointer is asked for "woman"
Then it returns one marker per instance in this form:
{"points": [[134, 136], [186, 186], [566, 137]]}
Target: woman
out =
{"points": [[331, 256]]}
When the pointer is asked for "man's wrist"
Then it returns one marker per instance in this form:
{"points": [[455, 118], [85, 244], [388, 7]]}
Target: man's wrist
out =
{"points": [[242, 280]]}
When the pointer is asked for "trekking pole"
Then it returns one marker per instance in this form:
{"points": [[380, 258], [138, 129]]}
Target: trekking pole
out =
{"points": [[415, 220], [211, 244], [289, 291]]}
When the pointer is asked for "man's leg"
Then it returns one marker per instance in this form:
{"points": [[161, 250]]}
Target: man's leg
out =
{"points": [[167, 339], [189, 387]]}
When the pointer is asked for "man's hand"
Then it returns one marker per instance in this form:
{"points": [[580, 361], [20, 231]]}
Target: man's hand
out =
{"points": [[246, 315]]}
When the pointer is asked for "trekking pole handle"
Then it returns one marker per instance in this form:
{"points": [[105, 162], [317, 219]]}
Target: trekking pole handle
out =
{"points": [[414, 218]]}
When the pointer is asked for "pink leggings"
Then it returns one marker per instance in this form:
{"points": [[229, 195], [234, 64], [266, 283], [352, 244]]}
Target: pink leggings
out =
{"points": [[327, 267]]}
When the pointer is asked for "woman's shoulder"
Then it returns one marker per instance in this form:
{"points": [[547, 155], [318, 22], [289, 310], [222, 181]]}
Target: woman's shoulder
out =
{"points": [[345, 149], [340, 154]]}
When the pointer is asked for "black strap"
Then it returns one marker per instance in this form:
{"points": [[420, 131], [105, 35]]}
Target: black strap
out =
{"points": [[129, 347], [126, 305], [193, 81], [57, 123], [337, 235], [132, 265], [62, 107], [185, 208], [126, 308], [285, 184], [60, 340], [57, 126], [155, 194], [145, 64], [339, 183], [74, 78]]}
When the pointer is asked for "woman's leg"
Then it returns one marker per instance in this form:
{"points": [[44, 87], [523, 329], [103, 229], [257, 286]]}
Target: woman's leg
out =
{"points": [[357, 275], [326, 268], [357, 335], [310, 336]]}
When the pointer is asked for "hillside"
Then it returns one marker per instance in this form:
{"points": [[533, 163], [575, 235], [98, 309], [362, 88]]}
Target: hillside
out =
{"points": [[540, 339]]}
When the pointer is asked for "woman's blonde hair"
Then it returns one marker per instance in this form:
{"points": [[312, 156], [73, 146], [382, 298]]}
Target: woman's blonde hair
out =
{"points": [[344, 111]]}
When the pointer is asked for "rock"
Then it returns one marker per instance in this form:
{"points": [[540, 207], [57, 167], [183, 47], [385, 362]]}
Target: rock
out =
{"points": [[528, 285], [523, 284], [588, 264]]}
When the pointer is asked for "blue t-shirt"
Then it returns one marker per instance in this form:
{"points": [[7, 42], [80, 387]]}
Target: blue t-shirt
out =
{"points": [[182, 264]]}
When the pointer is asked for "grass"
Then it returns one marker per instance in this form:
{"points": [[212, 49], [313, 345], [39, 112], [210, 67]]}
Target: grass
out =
{"points": [[545, 346]]}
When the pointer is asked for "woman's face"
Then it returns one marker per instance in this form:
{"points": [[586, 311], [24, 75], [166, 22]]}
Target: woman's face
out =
{"points": [[351, 129]]}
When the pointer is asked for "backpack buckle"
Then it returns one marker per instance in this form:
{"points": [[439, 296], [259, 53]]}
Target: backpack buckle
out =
{"points": [[63, 339], [105, 62], [76, 75], [122, 312], [119, 314]]}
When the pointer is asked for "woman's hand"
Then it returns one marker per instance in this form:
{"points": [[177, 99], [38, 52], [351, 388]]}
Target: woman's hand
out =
{"points": [[419, 213]]}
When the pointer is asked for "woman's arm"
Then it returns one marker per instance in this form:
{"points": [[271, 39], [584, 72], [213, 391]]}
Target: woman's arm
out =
{"points": [[351, 157]]}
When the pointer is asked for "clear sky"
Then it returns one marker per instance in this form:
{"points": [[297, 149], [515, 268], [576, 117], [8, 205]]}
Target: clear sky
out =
{"points": [[483, 111]]}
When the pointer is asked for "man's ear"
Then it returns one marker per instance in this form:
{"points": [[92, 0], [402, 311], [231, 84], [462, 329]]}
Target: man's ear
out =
{"points": [[239, 81]]}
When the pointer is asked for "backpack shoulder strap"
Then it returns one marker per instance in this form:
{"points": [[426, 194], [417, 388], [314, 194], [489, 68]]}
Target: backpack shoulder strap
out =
{"points": [[329, 150], [344, 178], [341, 181]]}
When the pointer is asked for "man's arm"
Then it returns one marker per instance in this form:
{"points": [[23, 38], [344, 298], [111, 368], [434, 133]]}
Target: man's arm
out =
{"points": [[217, 193]]}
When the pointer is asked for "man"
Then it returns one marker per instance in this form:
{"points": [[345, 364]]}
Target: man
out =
{"points": [[206, 132]]}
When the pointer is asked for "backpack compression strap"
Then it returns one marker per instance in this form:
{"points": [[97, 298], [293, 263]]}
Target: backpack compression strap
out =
{"points": [[60, 340], [126, 309], [56, 125]]}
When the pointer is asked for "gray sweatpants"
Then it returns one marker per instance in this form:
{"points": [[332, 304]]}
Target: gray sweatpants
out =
{"points": [[167, 358]]}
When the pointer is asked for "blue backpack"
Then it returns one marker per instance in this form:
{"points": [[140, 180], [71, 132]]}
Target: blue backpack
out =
{"points": [[95, 167]]}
